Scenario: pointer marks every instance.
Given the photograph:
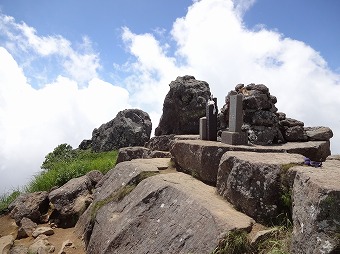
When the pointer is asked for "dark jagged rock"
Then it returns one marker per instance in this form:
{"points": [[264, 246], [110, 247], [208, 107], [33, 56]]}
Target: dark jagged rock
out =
{"points": [[183, 106], [160, 143], [131, 127], [85, 144], [319, 133], [263, 124]]}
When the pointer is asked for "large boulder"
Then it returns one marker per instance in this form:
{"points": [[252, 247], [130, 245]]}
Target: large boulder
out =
{"points": [[201, 158], [316, 209], [29, 205], [70, 201], [319, 133], [253, 182], [166, 213], [183, 106], [131, 127]]}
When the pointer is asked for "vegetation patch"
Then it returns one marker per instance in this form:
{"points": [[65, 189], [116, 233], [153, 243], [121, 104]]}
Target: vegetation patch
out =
{"points": [[60, 166], [278, 242], [235, 242]]}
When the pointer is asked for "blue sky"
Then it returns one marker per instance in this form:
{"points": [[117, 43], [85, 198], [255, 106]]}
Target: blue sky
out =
{"points": [[67, 66]]}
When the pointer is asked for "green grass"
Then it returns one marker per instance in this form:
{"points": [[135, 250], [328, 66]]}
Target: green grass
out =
{"points": [[235, 242], [61, 171]]}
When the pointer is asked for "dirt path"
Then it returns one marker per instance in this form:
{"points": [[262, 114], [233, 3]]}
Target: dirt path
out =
{"points": [[8, 227]]}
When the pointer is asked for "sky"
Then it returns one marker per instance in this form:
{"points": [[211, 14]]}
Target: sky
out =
{"points": [[68, 66]]}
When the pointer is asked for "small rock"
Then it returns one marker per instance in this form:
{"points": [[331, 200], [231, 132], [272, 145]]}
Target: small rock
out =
{"points": [[26, 228], [41, 246], [68, 244], [42, 231], [95, 176], [19, 249], [6, 243]]}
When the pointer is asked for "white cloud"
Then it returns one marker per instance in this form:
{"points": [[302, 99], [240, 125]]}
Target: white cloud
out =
{"points": [[33, 122], [22, 40]]}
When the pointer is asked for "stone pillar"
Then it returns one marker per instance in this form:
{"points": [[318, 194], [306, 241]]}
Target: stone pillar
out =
{"points": [[211, 114], [235, 136], [203, 128]]}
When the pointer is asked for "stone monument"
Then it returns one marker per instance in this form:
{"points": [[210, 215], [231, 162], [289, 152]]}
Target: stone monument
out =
{"points": [[235, 136]]}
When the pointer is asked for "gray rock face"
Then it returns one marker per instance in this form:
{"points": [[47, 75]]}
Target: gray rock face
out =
{"points": [[95, 176], [316, 209], [252, 182], [70, 201], [160, 143], [183, 106], [19, 249], [29, 205], [319, 133], [167, 213], [131, 127], [126, 173], [137, 152], [201, 158]]}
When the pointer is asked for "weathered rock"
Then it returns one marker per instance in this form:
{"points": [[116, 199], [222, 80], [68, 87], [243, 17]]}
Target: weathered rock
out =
{"points": [[70, 201], [261, 118], [290, 122], [41, 246], [131, 127], [138, 152], [95, 176], [295, 134], [6, 243], [160, 143], [67, 245], [257, 102], [263, 235], [85, 144], [19, 249], [42, 231], [319, 133], [183, 106], [130, 153], [201, 158], [168, 213], [26, 228], [29, 205], [316, 209], [252, 181], [125, 174], [262, 135]]}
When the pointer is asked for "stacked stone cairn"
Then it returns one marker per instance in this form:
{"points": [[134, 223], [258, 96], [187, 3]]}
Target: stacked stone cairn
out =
{"points": [[262, 122]]}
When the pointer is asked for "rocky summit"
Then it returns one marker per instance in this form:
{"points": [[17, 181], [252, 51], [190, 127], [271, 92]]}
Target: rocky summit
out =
{"points": [[183, 194]]}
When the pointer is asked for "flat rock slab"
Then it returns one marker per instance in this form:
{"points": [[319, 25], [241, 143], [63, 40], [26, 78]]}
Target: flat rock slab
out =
{"points": [[201, 158], [253, 182], [167, 213], [316, 209], [6, 243]]}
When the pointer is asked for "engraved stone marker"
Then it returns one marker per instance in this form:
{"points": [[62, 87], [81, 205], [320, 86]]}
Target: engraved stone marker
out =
{"points": [[235, 136]]}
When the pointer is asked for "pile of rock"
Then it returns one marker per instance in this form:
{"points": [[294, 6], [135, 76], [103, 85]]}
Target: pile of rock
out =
{"points": [[264, 124]]}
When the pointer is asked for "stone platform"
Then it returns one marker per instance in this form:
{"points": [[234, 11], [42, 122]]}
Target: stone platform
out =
{"points": [[201, 158]]}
